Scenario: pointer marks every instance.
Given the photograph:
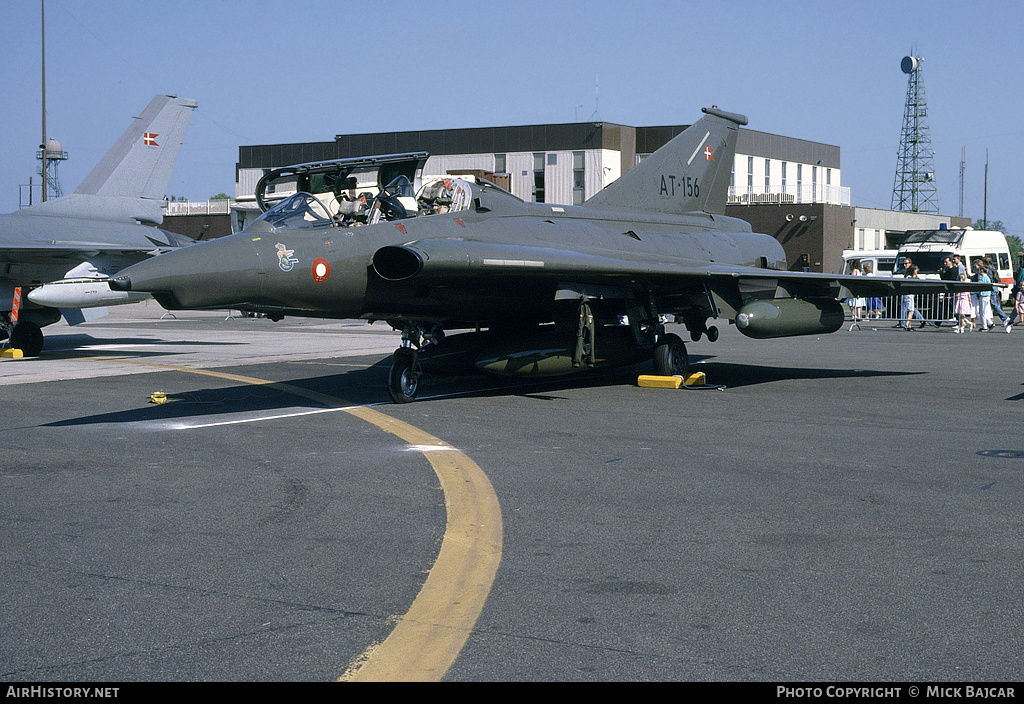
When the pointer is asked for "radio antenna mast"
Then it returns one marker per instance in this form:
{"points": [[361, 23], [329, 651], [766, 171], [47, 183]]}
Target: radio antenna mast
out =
{"points": [[914, 190]]}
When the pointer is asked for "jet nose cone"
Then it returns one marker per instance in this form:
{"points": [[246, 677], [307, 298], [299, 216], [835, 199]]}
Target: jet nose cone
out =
{"points": [[203, 275]]}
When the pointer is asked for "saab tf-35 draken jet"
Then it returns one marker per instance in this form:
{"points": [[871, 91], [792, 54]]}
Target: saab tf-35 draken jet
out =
{"points": [[78, 240], [544, 289]]}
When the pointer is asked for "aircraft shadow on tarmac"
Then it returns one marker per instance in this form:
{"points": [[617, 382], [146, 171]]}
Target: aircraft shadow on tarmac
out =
{"points": [[366, 386], [80, 345], [741, 375], [724, 374], [362, 386]]}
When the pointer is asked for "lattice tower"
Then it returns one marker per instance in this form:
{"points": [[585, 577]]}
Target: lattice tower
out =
{"points": [[915, 190]]}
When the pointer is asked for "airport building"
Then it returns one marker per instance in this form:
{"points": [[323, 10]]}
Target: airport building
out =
{"points": [[786, 187], [568, 163]]}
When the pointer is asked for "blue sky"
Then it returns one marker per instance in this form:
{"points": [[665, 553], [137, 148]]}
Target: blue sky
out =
{"points": [[269, 72]]}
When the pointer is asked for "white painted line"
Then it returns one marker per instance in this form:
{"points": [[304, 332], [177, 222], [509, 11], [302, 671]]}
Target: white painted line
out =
{"points": [[256, 419], [699, 147]]}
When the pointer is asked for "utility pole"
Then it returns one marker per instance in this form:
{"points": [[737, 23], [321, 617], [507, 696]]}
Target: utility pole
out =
{"points": [[985, 208], [42, 143], [963, 168]]}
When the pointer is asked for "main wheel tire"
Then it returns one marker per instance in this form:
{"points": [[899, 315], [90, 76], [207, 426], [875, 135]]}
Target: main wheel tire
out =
{"points": [[27, 337], [404, 378], [670, 358]]}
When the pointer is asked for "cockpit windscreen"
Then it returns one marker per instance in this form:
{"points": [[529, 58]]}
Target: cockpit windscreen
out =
{"points": [[299, 211]]}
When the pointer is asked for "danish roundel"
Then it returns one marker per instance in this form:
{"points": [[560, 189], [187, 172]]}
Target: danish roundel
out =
{"points": [[321, 270]]}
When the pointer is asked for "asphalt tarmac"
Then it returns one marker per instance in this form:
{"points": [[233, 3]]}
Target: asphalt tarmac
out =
{"points": [[846, 508]]}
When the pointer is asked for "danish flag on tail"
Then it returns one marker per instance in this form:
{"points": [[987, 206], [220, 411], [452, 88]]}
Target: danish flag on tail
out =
{"points": [[149, 139]]}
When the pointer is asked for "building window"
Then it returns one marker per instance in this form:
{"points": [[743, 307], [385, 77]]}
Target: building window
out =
{"points": [[750, 175], [579, 182], [500, 166], [814, 184], [799, 183], [784, 192], [767, 176], [538, 177]]}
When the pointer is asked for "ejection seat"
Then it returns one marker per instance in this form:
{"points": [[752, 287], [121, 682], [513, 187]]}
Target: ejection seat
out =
{"points": [[396, 202]]}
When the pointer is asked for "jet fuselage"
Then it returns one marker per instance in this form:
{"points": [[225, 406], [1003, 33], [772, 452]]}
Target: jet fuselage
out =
{"points": [[358, 272]]}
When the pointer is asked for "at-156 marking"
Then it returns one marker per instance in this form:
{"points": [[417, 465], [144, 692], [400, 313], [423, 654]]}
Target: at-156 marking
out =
{"points": [[687, 185]]}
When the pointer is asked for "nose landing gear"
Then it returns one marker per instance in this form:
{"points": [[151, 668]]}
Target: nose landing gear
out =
{"points": [[404, 377]]}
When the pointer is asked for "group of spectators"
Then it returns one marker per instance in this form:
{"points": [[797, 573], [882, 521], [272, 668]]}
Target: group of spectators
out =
{"points": [[972, 311]]}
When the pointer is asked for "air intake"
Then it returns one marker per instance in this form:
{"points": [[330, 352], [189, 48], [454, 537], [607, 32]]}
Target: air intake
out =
{"points": [[396, 263]]}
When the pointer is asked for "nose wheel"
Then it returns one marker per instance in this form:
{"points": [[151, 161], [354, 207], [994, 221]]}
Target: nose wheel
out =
{"points": [[404, 377]]}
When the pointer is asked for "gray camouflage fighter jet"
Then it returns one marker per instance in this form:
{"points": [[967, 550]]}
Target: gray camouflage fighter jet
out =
{"points": [[78, 240], [544, 289]]}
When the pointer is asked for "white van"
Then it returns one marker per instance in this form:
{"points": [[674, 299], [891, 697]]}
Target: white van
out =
{"points": [[880, 261], [928, 248]]}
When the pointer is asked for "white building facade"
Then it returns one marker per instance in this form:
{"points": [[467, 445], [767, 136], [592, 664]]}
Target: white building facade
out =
{"points": [[568, 163]]}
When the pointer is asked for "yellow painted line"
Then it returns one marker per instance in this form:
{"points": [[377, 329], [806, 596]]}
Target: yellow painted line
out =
{"points": [[428, 638]]}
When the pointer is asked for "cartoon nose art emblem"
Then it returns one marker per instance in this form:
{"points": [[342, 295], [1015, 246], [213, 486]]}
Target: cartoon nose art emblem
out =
{"points": [[284, 257]]}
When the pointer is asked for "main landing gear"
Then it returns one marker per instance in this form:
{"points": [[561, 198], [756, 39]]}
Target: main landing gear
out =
{"points": [[27, 337], [25, 328], [670, 358], [540, 351]]}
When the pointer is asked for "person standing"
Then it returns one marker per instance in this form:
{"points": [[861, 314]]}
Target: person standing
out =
{"points": [[961, 270], [909, 266], [947, 304], [1018, 301], [1018, 308], [983, 308], [907, 300], [874, 303], [856, 304], [996, 304], [963, 309]]}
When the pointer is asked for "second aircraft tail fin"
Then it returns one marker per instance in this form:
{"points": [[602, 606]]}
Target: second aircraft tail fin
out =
{"points": [[140, 163]]}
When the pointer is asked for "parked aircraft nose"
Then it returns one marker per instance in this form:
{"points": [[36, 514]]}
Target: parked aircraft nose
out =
{"points": [[203, 275]]}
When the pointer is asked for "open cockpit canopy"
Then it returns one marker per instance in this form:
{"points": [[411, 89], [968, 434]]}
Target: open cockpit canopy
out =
{"points": [[361, 191]]}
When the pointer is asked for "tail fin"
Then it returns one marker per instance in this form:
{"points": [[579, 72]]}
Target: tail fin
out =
{"points": [[140, 163], [689, 174]]}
